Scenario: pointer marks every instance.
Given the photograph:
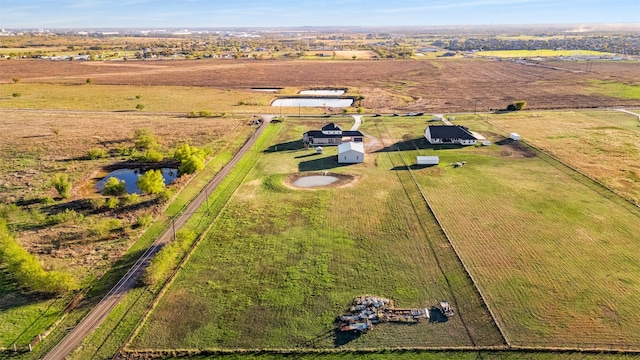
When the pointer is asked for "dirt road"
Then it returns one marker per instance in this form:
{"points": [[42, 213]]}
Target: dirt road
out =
{"points": [[104, 307]]}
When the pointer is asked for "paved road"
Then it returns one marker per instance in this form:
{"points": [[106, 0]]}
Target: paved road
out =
{"points": [[358, 121], [95, 317], [628, 112]]}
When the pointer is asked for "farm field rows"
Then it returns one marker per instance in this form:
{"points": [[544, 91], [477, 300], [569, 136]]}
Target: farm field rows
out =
{"points": [[281, 264]]}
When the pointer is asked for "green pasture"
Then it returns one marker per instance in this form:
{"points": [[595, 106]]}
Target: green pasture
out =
{"points": [[555, 256], [280, 264], [615, 89]]}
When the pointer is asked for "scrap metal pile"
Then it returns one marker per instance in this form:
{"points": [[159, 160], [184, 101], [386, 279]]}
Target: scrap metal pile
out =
{"points": [[367, 311]]}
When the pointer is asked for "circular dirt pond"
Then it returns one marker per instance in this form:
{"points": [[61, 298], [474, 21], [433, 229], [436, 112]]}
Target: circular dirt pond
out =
{"points": [[315, 180], [309, 181]]}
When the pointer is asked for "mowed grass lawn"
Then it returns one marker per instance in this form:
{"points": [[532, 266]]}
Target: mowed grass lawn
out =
{"points": [[559, 262], [280, 264], [602, 144]]}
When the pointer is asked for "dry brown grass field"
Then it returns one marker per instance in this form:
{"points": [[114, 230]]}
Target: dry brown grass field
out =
{"points": [[443, 85], [605, 145], [38, 144]]}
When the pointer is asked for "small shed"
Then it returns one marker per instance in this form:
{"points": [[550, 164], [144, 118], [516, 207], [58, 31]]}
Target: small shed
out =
{"points": [[319, 150], [351, 153], [514, 136], [427, 160]]}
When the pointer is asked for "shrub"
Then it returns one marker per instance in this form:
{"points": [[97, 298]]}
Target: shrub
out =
{"points": [[166, 195], [168, 257], [16, 94], [151, 156], [16, 80], [360, 110], [27, 271], [145, 140], [520, 105], [140, 107], [138, 97], [144, 220], [96, 153], [151, 182], [103, 228], [97, 202], [114, 187], [113, 202], [62, 185], [66, 216], [191, 165], [89, 81], [130, 199]]}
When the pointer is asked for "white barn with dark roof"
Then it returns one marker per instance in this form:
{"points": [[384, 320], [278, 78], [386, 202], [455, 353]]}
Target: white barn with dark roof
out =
{"points": [[449, 135], [351, 153]]}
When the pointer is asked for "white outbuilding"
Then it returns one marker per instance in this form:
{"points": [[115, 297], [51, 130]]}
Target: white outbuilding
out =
{"points": [[351, 153], [427, 160], [514, 136]]}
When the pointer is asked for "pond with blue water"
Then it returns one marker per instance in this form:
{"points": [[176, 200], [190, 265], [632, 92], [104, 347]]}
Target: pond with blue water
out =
{"points": [[130, 177]]}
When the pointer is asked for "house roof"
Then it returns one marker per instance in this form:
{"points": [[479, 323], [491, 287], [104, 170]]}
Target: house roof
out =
{"points": [[450, 132], [331, 127], [351, 146], [319, 134]]}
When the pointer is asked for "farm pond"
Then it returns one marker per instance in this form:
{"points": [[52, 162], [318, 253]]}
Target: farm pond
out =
{"points": [[315, 180], [130, 177]]}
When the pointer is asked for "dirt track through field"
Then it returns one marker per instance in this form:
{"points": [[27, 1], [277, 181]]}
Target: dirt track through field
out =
{"points": [[99, 313]]}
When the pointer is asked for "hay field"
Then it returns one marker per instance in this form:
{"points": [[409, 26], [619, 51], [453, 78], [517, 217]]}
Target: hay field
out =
{"points": [[605, 145], [557, 255], [280, 264]]}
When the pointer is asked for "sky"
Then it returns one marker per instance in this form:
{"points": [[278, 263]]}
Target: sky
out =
{"points": [[190, 14]]}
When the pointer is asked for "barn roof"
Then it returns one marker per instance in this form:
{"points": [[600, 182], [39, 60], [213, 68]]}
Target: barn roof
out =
{"points": [[351, 146], [331, 127], [319, 134], [450, 132]]}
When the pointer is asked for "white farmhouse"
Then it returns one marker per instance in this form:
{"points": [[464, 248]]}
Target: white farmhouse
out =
{"points": [[351, 153]]}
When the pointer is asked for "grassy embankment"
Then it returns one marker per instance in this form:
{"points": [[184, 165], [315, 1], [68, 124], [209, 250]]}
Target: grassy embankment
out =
{"points": [[280, 264]]}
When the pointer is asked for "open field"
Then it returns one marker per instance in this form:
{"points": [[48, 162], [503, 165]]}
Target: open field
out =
{"points": [[290, 269], [442, 85], [39, 144], [524, 225], [555, 255], [605, 145]]}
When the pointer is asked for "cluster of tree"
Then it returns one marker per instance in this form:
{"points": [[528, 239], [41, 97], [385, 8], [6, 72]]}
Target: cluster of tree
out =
{"points": [[167, 258], [27, 271], [517, 106], [191, 159]]}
